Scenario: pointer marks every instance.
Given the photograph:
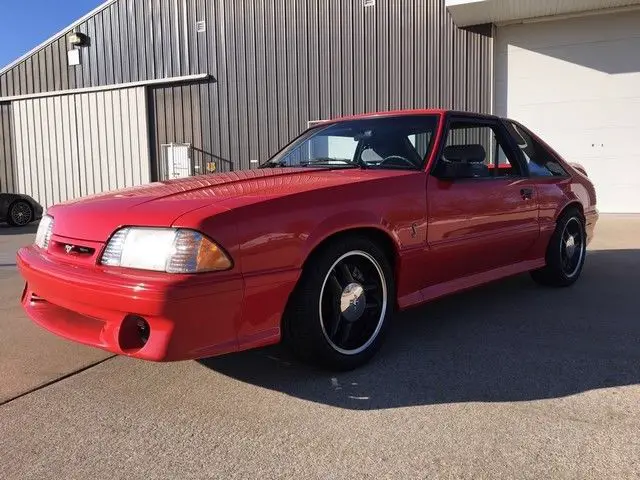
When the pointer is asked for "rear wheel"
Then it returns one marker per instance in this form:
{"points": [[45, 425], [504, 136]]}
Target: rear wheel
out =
{"points": [[20, 214], [340, 310], [566, 252]]}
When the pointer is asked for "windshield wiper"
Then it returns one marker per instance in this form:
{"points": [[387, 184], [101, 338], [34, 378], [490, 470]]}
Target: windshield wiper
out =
{"points": [[273, 165], [318, 162], [333, 162]]}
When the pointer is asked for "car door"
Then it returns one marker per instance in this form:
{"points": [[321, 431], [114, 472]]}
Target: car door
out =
{"points": [[486, 218]]}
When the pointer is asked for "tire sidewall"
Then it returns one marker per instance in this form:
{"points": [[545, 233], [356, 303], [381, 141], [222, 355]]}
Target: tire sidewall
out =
{"points": [[309, 291], [554, 257]]}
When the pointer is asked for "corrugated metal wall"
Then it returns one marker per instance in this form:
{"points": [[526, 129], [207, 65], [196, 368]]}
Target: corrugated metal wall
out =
{"points": [[130, 40], [7, 176], [69, 146], [280, 64], [276, 64]]}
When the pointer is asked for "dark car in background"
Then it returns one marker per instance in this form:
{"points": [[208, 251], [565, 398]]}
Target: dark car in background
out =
{"points": [[19, 210]]}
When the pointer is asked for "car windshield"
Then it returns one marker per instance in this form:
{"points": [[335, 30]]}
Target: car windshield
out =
{"points": [[401, 142]]}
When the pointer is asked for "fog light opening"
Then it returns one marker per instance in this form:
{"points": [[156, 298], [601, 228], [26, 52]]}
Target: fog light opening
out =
{"points": [[134, 333], [143, 330]]}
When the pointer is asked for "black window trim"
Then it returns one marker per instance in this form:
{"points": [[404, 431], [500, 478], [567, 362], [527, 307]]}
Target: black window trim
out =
{"points": [[502, 132]]}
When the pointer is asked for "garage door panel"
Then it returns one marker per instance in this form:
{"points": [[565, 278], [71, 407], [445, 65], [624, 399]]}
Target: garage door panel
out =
{"points": [[576, 83], [547, 91], [621, 115], [58, 129], [19, 166], [568, 32], [68, 146], [524, 63], [583, 144], [617, 187], [616, 170], [619, 56], [40, 159], [54, 196], [532, 92]]}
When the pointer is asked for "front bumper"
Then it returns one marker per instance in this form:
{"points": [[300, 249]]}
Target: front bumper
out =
{"points": [[189, 316]]}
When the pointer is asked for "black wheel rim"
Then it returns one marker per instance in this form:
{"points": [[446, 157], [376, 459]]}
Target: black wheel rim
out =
{"points": [[353, 302], [21, 213], [572, 247]]}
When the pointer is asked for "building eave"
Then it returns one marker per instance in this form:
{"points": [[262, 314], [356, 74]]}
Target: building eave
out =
{"points": [[198, 77], [466, 13]]}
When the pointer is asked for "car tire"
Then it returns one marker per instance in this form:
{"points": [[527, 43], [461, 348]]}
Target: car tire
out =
{"points": [[566, 252], [339, 312], [20, 214]]}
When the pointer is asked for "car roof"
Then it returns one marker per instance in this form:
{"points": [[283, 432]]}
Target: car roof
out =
{"points": [[403, 113]]}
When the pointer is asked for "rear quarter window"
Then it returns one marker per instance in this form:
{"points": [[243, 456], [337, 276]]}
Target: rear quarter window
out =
{"points": [[540, 161]]}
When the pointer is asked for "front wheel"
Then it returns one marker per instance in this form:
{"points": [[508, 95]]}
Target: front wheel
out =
{"points": [[566, 252], [341, 309]]}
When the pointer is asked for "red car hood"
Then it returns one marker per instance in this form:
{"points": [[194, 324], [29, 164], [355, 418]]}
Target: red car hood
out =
{"points": [[160, 204]]}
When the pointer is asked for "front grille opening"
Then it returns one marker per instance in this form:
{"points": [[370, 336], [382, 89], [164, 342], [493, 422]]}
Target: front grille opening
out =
{"points": [[72, 249], [77, 249]]}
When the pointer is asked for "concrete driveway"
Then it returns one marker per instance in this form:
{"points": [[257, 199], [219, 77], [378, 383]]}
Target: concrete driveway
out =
{"points": [[29, 356], [507, 381]]}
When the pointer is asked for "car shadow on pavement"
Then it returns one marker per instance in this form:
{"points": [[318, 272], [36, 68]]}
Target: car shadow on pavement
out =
{"points": [[6, 229], [508, 341]]}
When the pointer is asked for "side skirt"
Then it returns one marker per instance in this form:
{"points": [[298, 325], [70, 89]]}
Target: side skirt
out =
{"points": [[469, 282]]}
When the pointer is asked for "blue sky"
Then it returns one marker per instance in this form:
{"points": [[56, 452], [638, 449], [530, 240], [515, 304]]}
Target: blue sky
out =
{"points": [[25, 24]]}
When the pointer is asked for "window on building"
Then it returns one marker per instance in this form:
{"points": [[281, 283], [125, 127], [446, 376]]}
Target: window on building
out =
{"points": [[540, 161]]}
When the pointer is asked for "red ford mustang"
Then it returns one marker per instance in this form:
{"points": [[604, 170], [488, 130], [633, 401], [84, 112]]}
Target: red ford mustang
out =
{"points": [[353, 220]]}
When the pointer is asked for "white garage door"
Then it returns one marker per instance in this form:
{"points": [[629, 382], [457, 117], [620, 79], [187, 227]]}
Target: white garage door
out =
{"points": [[576, 82], [70, 146]]}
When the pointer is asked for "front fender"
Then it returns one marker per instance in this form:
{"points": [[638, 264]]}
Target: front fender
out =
{"points": [[345, 221]]}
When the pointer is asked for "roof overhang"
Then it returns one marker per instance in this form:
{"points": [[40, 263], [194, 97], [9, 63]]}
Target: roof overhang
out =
{"points": [[467, 13]]}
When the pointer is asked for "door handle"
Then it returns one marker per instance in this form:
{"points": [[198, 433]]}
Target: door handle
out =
{"points": [[527, 193]]}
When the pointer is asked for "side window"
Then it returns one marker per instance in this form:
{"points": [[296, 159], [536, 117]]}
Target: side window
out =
{"points": [[540, 161], [482, 146]]}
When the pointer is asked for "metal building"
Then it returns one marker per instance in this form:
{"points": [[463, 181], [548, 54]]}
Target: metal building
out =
{"points": [[144, 90]]}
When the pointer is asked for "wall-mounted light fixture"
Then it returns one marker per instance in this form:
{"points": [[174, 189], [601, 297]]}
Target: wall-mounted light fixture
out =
{"points": [[78, 39]]}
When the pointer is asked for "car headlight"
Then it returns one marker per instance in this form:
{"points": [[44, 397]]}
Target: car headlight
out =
{"points": [[43, 235], [164, 250]]}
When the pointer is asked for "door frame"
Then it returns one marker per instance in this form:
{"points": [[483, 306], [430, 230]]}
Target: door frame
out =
{"points": [[490, 121], [467, 243]]}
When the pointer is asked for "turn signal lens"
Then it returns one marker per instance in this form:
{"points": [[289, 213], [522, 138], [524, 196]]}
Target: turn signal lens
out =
{"points": [[193, 252]]}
